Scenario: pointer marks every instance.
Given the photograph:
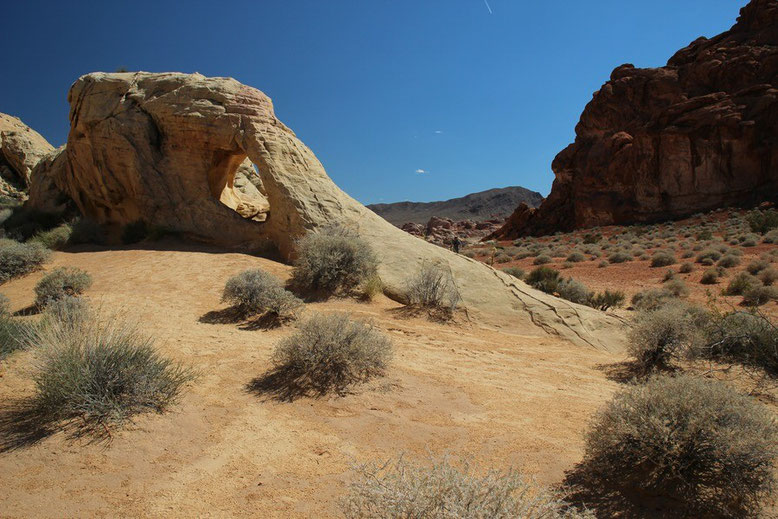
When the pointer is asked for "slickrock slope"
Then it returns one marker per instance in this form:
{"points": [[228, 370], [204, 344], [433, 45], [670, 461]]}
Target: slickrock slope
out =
{"points": [[21, 148], [165, 148], [653, 144], [484, 205]]}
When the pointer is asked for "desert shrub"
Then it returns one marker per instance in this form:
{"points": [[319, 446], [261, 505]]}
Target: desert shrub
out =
{"points": [[759, 295], [331, 352], [750, 240], [101, 372], [712, 255], [440, 490], [502, 258], [56, 238], [669, 276], [651, 299], [729, 261], [756, 266], [258, 292], [332, 261], [542, 260], [61, 282], [685, 268], [576, 257], [432, 287], [692, 441], [69, 311], [371, 287], [662, 259], [619, 257], [771, 236], [705, 235], [591, 238], [135, 232], [544, 278], [574, 291], [18, 259], [12, 331], [660, 335], [710, 277], [743, 337], [762, 221], [676, 288], [24, 223], [515, 272], [602, 264], [607, 300], [86, 231], [768, 276], [742, 282]]}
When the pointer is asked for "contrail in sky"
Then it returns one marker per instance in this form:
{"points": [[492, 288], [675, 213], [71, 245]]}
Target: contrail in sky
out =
{"points": [[487, 6]]}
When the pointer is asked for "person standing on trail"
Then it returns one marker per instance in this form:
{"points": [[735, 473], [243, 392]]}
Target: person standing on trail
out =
{"points": [[456, 244]]}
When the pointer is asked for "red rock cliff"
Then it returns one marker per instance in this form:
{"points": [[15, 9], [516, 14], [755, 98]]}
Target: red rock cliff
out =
{"points": [[662, 143]]}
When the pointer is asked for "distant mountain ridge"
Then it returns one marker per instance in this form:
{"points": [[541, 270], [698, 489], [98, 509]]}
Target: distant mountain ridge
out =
{"points": [[484, 205]]}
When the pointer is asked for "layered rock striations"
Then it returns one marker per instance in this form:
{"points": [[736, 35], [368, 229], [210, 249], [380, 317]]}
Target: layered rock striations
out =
{"points": [[662, 143]]}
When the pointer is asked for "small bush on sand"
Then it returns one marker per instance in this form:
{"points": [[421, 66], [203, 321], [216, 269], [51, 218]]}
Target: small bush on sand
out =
{"points": [[742, 282], [440, 490], [768, 276], [708, 256], [669, 276], [68, 311], [662, 259], [256, 292], [607, 300], [619, 257], [331, 352], [692, 441], [542, 260], [762, 221], [333, 261], [574, 291], [575, 257], [370, 288], [433, 288], [12, 331], [545, 279], [757, 266], [652, 298], [661, 335], [18, 259], [759, 295], [747, 338], [728, 261], [676, 287], [56, 238], [61, 282], [101, 372], [771, 236], [710, 277], [515, 272]]}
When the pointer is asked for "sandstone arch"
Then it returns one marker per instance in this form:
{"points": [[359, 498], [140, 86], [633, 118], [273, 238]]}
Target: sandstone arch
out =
{"points": [[162, 147]]}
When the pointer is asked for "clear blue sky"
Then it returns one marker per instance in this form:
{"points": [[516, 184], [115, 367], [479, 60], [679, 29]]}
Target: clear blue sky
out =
{"points": [[377, 88]]}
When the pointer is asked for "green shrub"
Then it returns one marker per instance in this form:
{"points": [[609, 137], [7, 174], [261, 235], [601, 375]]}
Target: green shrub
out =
{"points": [[590, 238], [333, 261], [704, 235], [728, 261], [711, 255], [762, 221], [687, 440], [771, 236], [18, 259], [710, 277], [742, 282], [669, 276], [56, 238], [662, 259], [607, 300], [619, 257], [602, 264], [756, 266], [258, 292], [69, 311], [544, 278], [759, 295], [101, 372], [331, 352], [432, 287], [440, 490], [542, 260], [61, 282], [574, 291], [515, 272], [575, 257]]}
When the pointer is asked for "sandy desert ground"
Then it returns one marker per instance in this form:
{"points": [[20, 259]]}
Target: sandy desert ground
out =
{"points": [[503, 396]]}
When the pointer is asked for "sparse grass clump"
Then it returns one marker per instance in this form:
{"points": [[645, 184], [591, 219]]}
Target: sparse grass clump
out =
{"points": [[692, 441], [708, 256], [101, 372], [757, 266], [61, 282], [256, 292], [432, 288], [18, 259], [747, 338], [56, 238], [440, 490], [333, 261], [12, 331], [676, 287], [331, 352], [662, 259], [768, 276]]}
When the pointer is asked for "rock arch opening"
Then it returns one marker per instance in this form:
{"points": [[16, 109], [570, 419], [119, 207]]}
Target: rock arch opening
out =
{"points": [[235, 182]]}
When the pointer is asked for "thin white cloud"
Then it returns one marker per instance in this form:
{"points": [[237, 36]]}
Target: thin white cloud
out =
{"points": [[421, 171], [488, 6], [438, 131]]}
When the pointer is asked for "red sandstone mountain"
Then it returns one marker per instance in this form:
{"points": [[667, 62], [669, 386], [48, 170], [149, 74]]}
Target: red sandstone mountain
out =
{"points": [[662, 143]]}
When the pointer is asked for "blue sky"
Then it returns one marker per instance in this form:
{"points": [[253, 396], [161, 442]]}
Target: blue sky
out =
{"points": [[381, 90]]}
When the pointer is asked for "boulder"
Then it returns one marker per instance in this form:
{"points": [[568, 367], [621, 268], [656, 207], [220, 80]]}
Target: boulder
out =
{"points": [[165, 148], [21, 148], [656, 144]]}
